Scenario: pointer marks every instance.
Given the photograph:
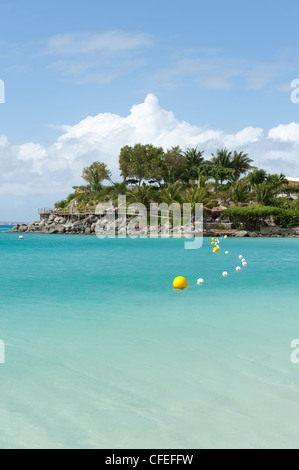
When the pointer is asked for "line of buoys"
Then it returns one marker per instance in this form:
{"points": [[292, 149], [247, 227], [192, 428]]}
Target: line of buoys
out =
{"points": [[181, 283]]}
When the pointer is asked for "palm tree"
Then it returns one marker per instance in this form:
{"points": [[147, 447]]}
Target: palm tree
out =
{"points": [[240, 164], [264, 192], [172, 193], [95, 174], [222, 158], [220, 174], [205, 169], [277, 181], [221, 169], [239, 190], [193, 159], [141, 194], [118, 188], [203, 181], [196, 195], [256, 177], [173, 175]]}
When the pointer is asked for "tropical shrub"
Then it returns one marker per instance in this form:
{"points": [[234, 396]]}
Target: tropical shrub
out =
{"points": [[71, 197], [252, 217], [287, 218], [61, 204]]}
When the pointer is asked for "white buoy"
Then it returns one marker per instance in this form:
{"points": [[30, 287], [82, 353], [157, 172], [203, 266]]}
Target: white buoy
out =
{"points": [[225, 236], [225, 274], [21, 237], [243, 260], [244, 264], [238, 268], [241, 256], [227, 252], [200, 281]]}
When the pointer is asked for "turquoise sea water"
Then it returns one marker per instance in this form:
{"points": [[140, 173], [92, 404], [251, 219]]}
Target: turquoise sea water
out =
{"points": [[101, 351], [5, 228]]}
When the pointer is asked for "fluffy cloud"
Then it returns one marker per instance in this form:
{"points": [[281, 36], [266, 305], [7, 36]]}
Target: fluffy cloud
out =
{"points": [[32, 168], [285, 133]]}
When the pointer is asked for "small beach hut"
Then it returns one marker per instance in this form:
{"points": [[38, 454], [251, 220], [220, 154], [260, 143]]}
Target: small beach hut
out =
{"points": [[216, 211]]}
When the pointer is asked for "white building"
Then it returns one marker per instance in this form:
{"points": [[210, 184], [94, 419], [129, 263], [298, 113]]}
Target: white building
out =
{"points": [[293, 182]]}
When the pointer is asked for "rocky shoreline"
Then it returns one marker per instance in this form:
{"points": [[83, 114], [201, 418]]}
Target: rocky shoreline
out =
{"points": [[87, 226]]}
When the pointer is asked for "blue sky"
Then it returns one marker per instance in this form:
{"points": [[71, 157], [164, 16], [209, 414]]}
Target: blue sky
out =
{"points": [[221, 66]]}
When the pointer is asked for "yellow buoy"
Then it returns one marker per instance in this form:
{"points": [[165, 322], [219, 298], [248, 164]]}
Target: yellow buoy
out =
{"points": [[180, 283], [213, 238], [213, 243], [216, 249]]}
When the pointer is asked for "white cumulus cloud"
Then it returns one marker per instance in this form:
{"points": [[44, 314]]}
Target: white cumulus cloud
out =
{"points": [[32, 168], [286, 133]]}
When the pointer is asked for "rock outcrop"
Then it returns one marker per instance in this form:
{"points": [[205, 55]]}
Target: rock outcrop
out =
{"points": [[77, 224]]}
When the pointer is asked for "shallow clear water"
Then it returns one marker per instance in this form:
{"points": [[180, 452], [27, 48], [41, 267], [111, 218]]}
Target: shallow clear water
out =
{"points": [[101, 351]]}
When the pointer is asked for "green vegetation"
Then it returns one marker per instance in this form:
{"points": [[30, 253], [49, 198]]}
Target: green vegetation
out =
{"points": [[227, 178], [250, 217]]}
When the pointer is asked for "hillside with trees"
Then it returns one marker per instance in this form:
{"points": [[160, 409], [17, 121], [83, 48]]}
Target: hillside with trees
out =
{"points": [[227, 179]]}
